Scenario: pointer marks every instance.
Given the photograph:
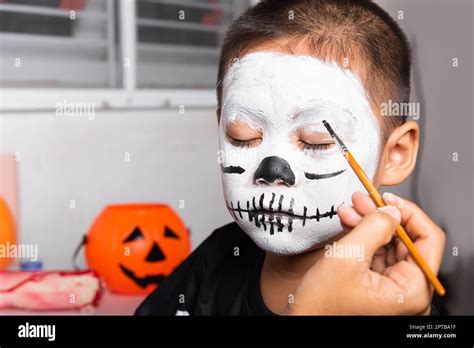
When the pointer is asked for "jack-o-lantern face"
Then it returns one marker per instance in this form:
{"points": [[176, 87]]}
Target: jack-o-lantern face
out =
{"points": [[135, 247], [155, 254]]}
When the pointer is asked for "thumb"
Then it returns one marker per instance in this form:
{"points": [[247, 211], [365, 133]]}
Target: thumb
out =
{"points": [[374, 231]]}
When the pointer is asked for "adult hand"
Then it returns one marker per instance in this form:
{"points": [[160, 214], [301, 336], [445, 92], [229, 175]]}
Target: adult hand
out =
{"points": [[386, 280]]}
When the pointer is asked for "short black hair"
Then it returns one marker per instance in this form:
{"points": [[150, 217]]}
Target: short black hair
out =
{"points": [[357, 30]]}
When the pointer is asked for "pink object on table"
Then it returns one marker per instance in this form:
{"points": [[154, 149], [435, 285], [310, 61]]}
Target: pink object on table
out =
{"points": [[8, 182], [49, 290], [72, 4]]}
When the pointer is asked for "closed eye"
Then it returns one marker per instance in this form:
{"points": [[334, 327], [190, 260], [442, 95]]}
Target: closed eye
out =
{"points": [[313, 147], [244, 143], [309, 140], [241, 134]]}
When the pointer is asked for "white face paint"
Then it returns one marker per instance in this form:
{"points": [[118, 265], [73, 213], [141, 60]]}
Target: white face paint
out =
{"points": [[285, 197]]}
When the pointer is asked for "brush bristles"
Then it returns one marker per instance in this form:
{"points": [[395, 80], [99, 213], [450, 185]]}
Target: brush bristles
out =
{"points": [[329, 128], [333, 134]]}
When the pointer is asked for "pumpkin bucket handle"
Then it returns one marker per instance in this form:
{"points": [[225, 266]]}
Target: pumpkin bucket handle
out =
{"points": [[82, 243]]}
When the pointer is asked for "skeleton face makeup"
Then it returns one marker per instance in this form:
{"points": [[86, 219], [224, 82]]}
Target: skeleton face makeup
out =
{"points": [[282, 191]]}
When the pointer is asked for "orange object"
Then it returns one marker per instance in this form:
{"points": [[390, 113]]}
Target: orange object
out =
{"points": [[375, 195], [134, 247], [9, 181], [7, 232]]}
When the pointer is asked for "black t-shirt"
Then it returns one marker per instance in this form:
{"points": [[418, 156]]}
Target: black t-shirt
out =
{"points": [[220, 277]]}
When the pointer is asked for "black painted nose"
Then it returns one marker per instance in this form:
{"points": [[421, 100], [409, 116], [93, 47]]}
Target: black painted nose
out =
{"points": [[274, 169]]}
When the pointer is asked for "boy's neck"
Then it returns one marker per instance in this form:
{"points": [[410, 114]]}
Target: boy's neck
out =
{"points": [[281, 274]]}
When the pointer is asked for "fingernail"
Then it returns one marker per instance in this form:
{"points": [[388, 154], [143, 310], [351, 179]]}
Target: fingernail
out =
{"points": [[389, 197], [392, 211], [343, 207]]}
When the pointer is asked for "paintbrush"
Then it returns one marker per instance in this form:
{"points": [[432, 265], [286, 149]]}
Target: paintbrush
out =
{"points": [[375, 195]]}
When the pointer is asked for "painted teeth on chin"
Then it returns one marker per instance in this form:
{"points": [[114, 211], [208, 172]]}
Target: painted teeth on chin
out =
{"points": [[279, 224], [290, 219], [239, 209], [271, 201], [253, 213], [304, 215]]}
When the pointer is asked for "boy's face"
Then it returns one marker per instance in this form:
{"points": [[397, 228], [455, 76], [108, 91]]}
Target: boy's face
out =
{"points": [[283, 177]]}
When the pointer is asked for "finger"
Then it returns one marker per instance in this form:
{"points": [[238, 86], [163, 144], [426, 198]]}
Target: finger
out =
{"points": [[381, 251], [391, 257], [416, 290], [345, 228], [412, 216], [374, 231], [401, 250], [378, 263], [362, 203], [429, 239], [348, 215]]}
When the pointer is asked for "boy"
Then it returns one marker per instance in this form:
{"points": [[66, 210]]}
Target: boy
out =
{"points": [[298, 245]]}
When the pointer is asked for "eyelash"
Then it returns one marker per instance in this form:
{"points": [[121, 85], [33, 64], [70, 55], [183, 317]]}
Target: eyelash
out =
{"points": [[242, 143], [315, 147], [305, 146]]}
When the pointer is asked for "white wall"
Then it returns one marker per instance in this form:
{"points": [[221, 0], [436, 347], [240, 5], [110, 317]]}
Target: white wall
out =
{"points": [[173, 158]]}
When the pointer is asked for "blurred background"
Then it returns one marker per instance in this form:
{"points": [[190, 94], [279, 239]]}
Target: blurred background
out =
{"points": [[113, 101]]}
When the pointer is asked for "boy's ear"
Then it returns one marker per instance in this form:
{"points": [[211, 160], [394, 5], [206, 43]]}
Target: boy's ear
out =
{"points": [[399, 155]]}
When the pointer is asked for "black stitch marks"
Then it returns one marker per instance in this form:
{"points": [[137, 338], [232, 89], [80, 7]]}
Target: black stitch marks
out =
{"points": [[239, 209], [262, 216], [304, 215], [271, 202], [290, 219]]}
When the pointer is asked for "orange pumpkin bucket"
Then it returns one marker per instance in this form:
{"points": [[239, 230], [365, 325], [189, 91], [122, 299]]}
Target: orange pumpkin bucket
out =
{"points": [[7, 232], [134, 247]]}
